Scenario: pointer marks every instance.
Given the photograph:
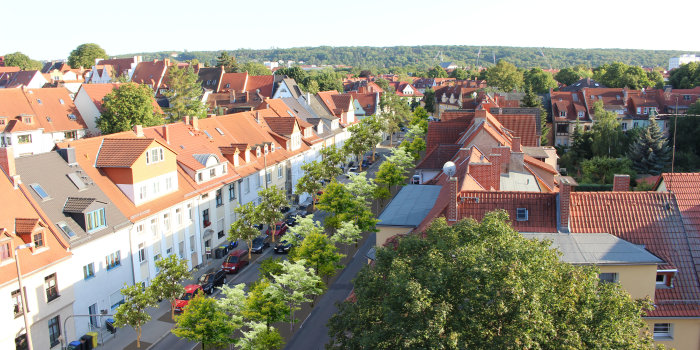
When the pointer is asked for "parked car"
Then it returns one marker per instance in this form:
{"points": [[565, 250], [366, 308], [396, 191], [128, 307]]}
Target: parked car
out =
{"points": [[260, 243], [318, 196], [352, 171], [415, 179], [366, 164], [280, 229], [259, 227], [235, 261], [211, 280], [190, 292], [284, 246]]}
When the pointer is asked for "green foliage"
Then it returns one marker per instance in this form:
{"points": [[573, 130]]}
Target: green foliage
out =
{"points": [[539, 81], [327, 80], [395, 112], [295, 285], [650, 152], [602, 170], [184, 94], [361, 187], [304, 227], [299, 75], [460, 74], [128, 105], [686, 76], [437, 72], [389, 174], [687, 140], [263, 306], [85, 55], [607, 132], [269, 267], [364, 136], [261, 338], [382, 83], [484, 286], [133, 311], [203, 321], [402, 159], [619, 75], [272, 200], [318, 252], [228, 62], [255, 68], [243, 228], [166, 285], [567, 76], [505, 76], [347, 234], [416, 146], [232, 303], [22, 61], [531, 99]]}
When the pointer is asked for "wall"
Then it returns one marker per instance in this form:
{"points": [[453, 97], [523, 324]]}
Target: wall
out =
{"points": [[87, 110], [686, 333], [385, 232], [638, 280]]}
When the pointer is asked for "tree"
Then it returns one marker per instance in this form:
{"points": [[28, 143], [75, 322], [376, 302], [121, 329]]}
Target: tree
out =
{"points": [[203, 321], [437, 72], [395, 111], [416, 146], [460, 74], [269, 211], [299, 75], [233, 303], [166, 285], [347, 234], [484, 286], [128, 105], [331, 157], [363, 137], [22, 61], [261, 338], [228, 62], [184, 94], [390, 174], [255, 68], [539, 81], [531, 99], [85, 55], [602, 170], [327, 80], [401, 158], [263, 306], [269, 267], [567, 76], [607, 132], [361, 187], [310, 182], [650, 152], [244, 227], [133, 311], [505, 76], [686, 76], [295, 285], [382, 83], [304, 227], [619, 75], [365, 73]]}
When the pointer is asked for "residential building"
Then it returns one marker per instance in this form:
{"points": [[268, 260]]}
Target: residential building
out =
{"points": [[30, 79], [675, 62]]}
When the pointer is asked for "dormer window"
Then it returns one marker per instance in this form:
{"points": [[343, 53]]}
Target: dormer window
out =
{"points": [[272, 147], [580, 114], [257, 152], [21, 139], [27, 120], [154, 155], [228, 86], [266, 149], [3, 120], [38, 239], [60, 100], [95, 220]]}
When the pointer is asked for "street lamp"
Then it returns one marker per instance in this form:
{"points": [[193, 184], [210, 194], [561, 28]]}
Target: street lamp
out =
{"points": [[23, 296]]}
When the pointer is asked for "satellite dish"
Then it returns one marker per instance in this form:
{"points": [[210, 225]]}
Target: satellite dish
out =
{"points": [[450, 169]]}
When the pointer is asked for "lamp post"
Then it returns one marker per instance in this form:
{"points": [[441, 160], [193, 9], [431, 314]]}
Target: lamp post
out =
{"points": [[23, 296]]}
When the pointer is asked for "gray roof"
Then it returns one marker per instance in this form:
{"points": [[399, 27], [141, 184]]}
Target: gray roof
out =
{"points": [[535, 152], [516, 181], [62, 192], [410, 206], [299, 109], [596, 249]]}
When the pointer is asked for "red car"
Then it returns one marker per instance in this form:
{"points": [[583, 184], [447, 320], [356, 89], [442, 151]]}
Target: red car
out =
{"points": [[190, 292], [235, 261], [280, 228]]}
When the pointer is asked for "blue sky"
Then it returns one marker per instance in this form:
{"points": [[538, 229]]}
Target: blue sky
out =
{"points": [[50, 30]]}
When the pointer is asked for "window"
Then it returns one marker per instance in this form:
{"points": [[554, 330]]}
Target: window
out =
{"points": [[54, 330], [231, 192], [178, 216], [116, 299], [192, 244], [280, 171], [246, 185], [205, 217], [17, 301], [21, 342], [608, 277], [220, 234], [663, 331], [51, 287], [189, 211], [686, 97], [661, 280], [113, 260], [139, 228], [70, 134], [521, 214], [154, 226], [200, 177], [624, 126], [580, 114], [212, 172], [142, 192], [95, 220], [89, 271], [142, 253], [5, 251], [168, 183], [154, 155], [67, 230], [156, 187], [268, 175], [219, 198], [562, 128], [166, 222], [39, 191], [24, 139], [38, 239], [60, 100]]}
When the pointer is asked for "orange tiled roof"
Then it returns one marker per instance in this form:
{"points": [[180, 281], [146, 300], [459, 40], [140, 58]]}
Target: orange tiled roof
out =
{"points": [[50, 108], [121, 152], [264, 83], [523, 126], [542, 208], [444, 133], [25, 225], [235, 81], [685, 188]]}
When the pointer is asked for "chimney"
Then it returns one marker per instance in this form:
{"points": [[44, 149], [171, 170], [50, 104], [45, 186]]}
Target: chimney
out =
{"points": [[68, 154], [186, 120], [257, 116], [515, 145], [454, 196], [195, 123], [7, 161], [166, 134], [232, 96], [495, 171], [481, 172], [565, 184], [138, 129], [167, 62], [504, 157], [621, 183], [247, 96]]}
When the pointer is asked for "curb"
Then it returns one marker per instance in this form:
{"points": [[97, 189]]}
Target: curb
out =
{"points": [[158, 340]]}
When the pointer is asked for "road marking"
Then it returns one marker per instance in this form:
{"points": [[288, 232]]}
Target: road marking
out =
{"points": [[307, 317]]}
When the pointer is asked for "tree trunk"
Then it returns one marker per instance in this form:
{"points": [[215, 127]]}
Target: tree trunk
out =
{"points": [[359, 162], [172, 309], [138, 337], [250, 249], [273, 231]]}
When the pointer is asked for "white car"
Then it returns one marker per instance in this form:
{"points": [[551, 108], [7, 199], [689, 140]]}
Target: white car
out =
{"points": [[352, 171]]}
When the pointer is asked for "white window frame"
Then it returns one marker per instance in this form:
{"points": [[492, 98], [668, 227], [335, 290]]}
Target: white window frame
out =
{"points": [[663, 331]]}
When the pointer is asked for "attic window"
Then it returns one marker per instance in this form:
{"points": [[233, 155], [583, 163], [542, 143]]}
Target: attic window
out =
{"points": [[272, 147], [228, 86], [208, 135], [95, 220], [521, 214], [40, 191], [290, 114], [27, 120], [48, 119], [686, 97], [257, 152], [60, 100], [266, 149], [72, 116], [67, 230], [661, 279], [219, 131], [38, 101]]}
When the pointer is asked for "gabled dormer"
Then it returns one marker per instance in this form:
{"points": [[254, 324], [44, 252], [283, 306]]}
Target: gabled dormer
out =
{"points": [[89, 213], [31, 231], [208, 166], [143, 168]]}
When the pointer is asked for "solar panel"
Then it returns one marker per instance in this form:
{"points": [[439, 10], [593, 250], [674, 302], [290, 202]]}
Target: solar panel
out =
{"points": [[39, 190]]}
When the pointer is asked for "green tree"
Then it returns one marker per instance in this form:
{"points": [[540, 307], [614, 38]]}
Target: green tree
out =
{"points": [[361, 187], [85, 55], [602, 170], [233, 302], [484, 286], [539, 81], [261, 338], [382, 83], [295, 285], [227, 61], [22, 61], [619, 75], [184, 94], [304, 227], [686, 76], [401, 158], [567, 76], [347, 234], [505, 76], [416, 146], [389, 174], [650, 152], [203, 321], [331, 157], [395, 112], [133, 311], [166, 285], [244, 227], [128, 105], [255, 68], [310, 182], [459, 74], [437, 72], [269, 211], [299, 75], [269, 267], [327, 80], [607, 132], [264, 306], [363, 138], [531, 99]]}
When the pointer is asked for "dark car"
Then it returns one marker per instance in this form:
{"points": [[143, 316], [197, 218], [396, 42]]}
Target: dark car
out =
{"points": [[260, 243], [211, 280], [235, 261], [366, 163], [284, 246], [291, 221]]}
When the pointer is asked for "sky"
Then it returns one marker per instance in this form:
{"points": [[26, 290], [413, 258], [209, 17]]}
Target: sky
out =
{"points": [[45, 32]]}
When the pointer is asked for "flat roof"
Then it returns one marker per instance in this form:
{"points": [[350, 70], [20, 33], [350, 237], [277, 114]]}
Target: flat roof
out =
{"points": [[410, 206], [516, 181], [596, 249]]}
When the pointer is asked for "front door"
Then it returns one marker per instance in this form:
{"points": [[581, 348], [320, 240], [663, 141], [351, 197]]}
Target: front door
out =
{"points": [[92, 310]]}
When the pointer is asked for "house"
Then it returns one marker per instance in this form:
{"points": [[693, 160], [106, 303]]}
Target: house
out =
{"points": [[340, 105], [406, 211], [448, 66], [31, 245], [105, 71], [231, 101], [407, 92], [286, 87], [585, 83], [366, 104], [211, 78], [95, 230], [569, 108], [151, 73], [242, 82], [34, 120], [326, 127], [31, 79]]}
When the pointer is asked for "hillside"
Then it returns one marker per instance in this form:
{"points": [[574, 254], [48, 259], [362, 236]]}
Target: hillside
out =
{"points": [[424, 56]]}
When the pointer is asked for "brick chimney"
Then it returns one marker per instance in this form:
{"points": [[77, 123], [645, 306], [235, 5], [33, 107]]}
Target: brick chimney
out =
{"points": [[495, 171], [138, 130], [481, 172], [257, 117], [565, 184], [186, 120], [454, 194], [7, 161], [621, 183], [195, 123], [515, 145], [166, 134]]}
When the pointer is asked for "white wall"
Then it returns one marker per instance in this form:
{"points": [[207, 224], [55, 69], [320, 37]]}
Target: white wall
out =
{"points": [[88, 110]]}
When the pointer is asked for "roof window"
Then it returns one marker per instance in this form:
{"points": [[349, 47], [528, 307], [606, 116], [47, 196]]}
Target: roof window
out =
{"points": [[72, 116], [219, 131], [40, 191], [67, 230], [208, 135]]}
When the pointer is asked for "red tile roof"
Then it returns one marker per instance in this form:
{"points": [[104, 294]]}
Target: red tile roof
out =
{"points": [[264, 83], [444, 133], [121, 152], [438, 156], [686, 190], [50, 108], [523, 126], [542, 208], [235, 81]]}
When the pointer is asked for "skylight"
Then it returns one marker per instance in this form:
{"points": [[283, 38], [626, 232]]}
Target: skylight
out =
{"points": [[219, 131], [39, 190], [71, 116], [208, 135], [67, 230]]}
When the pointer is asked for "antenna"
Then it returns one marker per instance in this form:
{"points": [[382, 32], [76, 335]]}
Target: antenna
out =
{"points": [[450, 169]]}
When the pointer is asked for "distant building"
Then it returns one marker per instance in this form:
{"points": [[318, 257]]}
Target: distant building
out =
{"points": [[675, 62]]}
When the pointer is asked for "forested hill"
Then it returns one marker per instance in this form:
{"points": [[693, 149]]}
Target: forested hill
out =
{"points": [[424, 56]]}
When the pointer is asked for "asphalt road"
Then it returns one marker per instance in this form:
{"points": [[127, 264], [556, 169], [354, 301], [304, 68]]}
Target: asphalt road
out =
{"points": [[313, 333]]}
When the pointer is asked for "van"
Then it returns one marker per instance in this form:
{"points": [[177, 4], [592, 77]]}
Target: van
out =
{"points": [[235, 261]]}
